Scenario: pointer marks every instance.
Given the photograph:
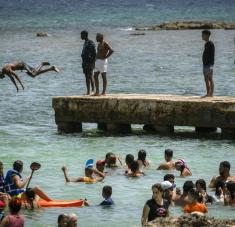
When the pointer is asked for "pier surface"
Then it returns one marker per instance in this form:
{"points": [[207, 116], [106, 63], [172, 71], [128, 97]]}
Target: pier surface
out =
{"points": [[161, 113]]}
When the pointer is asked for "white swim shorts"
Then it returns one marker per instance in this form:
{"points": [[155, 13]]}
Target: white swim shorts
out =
{"points": [[101, 65]]}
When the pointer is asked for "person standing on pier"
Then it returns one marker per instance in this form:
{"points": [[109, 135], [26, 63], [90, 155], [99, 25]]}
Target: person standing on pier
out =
{"points": [[104, 51], [208, 63], [88, 60]]}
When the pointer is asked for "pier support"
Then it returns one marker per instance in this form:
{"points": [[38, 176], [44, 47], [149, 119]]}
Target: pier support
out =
{"points": [[205, 129], [227, 132], [102, 126], [164, 129], [69, 127], [149, 128], [120, 128]]}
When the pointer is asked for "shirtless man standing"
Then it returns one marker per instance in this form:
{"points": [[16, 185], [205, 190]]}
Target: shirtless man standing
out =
{"points": [[104, 51], [9, 70], [169, 164], [224, 171]]}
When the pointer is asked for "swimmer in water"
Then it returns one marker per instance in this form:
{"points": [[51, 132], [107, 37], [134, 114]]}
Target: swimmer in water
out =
{"points": [[181, 166], [169, 164]]}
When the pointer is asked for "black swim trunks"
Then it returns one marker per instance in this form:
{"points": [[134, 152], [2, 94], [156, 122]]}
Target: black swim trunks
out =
{"points": [[88, 68]]}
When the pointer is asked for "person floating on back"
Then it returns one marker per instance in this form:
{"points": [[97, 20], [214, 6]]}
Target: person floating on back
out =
{"points": [[9, 70], [88, 60], [208, 63], [169, 164], [92, 175], [104, 51]]}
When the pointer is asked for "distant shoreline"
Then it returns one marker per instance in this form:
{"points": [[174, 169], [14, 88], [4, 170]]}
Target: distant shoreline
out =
{"points": [[188, 25]]}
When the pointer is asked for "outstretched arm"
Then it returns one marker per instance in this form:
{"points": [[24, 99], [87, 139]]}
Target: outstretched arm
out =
{"points": [[13, 81], [16, 76], [67, 179]]}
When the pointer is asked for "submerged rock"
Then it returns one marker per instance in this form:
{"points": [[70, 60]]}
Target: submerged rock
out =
{"points": [[41, 34], [184, 25], [192, 220]]}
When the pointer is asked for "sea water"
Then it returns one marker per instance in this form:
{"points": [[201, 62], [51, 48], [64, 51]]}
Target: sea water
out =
{"points": [[167, 62]]}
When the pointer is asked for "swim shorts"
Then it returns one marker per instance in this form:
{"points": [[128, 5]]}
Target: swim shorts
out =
{"points": [[207, 69], [101, 65]]}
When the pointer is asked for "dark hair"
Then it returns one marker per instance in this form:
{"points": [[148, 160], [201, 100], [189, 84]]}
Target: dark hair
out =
{"points": [[15, 205], [100, 35], [18, 165], [231, 188], [158, 186], [84, 33], [107, 190], [1, 164], [168, 177], [61, 217], [30, 194], [142, 156], [194, 194], [110, 158], [206, 32], [219, 184], [169, 152], [129, 159], [188, 185], [225, 164], [202, 183], [134, 166]]}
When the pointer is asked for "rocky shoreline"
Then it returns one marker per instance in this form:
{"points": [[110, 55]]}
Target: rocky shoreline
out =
{"points": [[192, 220], [188, 25]]}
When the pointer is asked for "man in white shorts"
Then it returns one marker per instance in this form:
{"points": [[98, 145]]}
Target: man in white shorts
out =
{"points": [[104, 51]]}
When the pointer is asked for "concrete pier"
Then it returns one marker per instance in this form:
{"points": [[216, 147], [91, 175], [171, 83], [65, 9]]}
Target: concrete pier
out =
{"points": [[158, 113]]}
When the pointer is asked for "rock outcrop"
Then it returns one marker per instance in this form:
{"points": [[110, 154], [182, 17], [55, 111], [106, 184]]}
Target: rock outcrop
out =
{"points": [[186, 25], [191, 221]]}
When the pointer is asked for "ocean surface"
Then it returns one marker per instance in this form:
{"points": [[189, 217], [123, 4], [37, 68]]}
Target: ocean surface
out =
{"points": [[166, 62]]}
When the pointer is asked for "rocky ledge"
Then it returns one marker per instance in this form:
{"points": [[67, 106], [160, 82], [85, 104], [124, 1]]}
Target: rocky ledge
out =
{"points": [[193, 220], [184, 25]]}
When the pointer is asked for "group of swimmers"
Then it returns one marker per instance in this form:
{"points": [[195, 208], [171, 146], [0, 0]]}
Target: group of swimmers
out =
{"points": [[194, 197]]}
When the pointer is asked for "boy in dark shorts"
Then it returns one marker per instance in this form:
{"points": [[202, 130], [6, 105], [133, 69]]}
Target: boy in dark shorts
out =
{"points": [[208, 63]]}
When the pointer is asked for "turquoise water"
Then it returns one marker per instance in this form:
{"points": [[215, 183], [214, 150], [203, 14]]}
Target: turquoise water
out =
{"points": [[159, 62]]}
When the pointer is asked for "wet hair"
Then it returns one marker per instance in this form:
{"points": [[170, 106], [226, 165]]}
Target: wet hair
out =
{"points": [[225, 164], [192, 192], [188, 185], [61, 217], [30, 194], [1, 74], [1, 164], [129, 159], [89, 170], [110, 159], [134, 166], [202, 183], [231, 188], [206, 32], [169, 152], [15, 205], [219, 184], [142, 156], [18, 165], [168, 176], [84, 33], [157, 186], [107, 190]]}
